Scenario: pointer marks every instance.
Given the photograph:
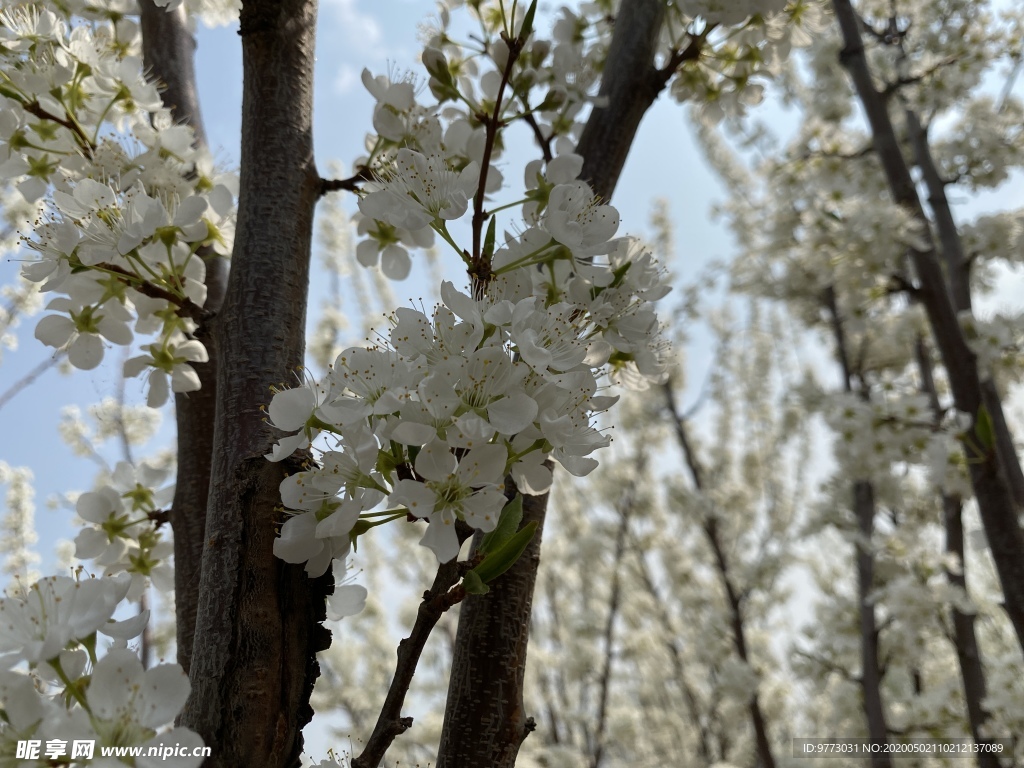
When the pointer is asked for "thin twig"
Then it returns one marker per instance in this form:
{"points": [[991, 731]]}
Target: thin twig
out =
{"points": [[186, 307], [538, 134], [481, 272], [691, 52], [26, 380], [351, 184], [439, 598], [84, 142]]}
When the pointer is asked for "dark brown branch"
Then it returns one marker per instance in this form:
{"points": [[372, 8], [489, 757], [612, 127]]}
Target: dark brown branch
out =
{"points": [[957, 267], [992, 487], [480, 270], [733, 595], [899, 284], [351, 184], [872, 670], [829, 665], [168, 51], [83, 141], [484, 718], [441, 596], [863, 501], [625, 508], [543, 142], [670, 633], [185, 307], [964, 637], [630, 84], [891, 89], [691, 52]]}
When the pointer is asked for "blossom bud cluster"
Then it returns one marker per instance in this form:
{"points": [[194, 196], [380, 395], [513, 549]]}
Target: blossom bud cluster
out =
{"points": [[52, 627], [132, 199]]}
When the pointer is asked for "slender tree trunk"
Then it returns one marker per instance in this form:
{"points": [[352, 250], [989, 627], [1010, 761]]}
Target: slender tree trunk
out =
{"points": [[972, 671], [679, 673], [484, 720], [864, 511], [992, 488], [765, 757], [257, 628], [625, 509], [958, 276], [168, 50], [871, 672]]}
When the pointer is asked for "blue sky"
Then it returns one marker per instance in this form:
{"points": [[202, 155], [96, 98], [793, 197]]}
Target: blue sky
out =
{"points": [[663, 164]]}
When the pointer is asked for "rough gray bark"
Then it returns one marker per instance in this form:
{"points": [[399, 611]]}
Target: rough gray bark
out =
{"points": [[258, 618], [992, 488], [168, 51], [484, 721]]}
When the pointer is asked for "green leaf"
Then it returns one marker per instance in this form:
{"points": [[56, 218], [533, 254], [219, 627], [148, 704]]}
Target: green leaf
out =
{"points": [[527, 29], [505, 556], [984, 430], [385, 463], [508, 523], [361, 527], [489, 240], [473, 584]]}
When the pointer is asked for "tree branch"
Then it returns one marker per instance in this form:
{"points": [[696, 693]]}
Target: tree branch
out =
{"points": [[168, 51], [185, 307], [351, 184], [27, 380], [992, 489], [439, 598], [83, 141]]}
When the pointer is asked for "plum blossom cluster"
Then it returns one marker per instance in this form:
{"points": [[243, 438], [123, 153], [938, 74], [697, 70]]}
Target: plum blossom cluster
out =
{"points": [[131, 202], [455, 410], [70, 692], [123, 527], [997, 341], [874, 435], [432, 420]]}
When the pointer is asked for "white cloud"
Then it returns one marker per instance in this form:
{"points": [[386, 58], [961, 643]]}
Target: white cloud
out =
{"points": [[361, 31], [346, 78]]}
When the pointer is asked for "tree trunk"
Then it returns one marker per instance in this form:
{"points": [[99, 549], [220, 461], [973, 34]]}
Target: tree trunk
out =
{"points": [[168, 50], [864, 511], [870, 672], [765, 756], [992, 489], [257, 627], [972, 672], [484, 721], [958, 278]]}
